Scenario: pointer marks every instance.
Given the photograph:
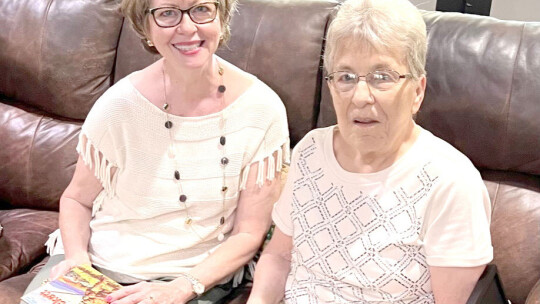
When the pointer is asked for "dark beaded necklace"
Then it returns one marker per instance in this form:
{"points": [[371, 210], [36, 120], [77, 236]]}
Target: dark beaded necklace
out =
{"points": [[224, 161]]}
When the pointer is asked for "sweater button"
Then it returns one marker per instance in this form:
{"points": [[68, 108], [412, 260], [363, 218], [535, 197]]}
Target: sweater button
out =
{"points": [[168, 124], [224, 161]]}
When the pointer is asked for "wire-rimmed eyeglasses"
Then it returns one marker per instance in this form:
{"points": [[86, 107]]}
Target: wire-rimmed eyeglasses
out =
{"points": [[345, 81], [199, 13]]}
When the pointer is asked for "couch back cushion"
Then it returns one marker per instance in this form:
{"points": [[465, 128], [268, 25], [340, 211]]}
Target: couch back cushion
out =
{"points": [[37, 158], [56, 60], [57, 55], [277, 41], [483, 89]]}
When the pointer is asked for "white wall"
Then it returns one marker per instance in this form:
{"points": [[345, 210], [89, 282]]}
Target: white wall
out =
{"points": [[428, 5], [522, 10]]}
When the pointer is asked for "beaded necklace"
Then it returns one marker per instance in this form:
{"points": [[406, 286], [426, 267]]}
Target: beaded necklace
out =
{"points": [[224, 161]]}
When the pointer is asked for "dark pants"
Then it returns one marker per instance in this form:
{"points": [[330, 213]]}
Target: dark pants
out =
{"points": [[214, 295]]}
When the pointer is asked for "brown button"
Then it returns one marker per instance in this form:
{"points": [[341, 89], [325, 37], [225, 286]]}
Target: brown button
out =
{"points": [[224, 161], [177, 175], [183, 198], [222, 88], [222, 140], [168, 124]]}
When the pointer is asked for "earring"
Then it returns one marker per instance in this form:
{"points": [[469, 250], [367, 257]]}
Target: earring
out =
{"points": [[150, 44]]}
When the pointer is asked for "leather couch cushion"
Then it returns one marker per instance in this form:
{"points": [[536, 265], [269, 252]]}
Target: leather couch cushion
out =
{"points": [[23, 238], [12, 289], [482, 95], [37, 158], [515, 232], [58, 51]]}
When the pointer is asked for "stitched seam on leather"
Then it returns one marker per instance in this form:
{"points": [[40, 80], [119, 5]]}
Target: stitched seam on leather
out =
{"points": [[254, 38], [29, 174], [495, 197], [507, 122], [42, 37]]}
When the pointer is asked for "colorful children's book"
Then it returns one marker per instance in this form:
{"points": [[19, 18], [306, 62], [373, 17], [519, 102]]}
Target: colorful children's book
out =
{"points": [[81, 285]]}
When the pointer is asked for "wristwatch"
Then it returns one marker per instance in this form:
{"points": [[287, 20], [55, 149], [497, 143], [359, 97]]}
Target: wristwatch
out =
{"points": [[198, 287]]}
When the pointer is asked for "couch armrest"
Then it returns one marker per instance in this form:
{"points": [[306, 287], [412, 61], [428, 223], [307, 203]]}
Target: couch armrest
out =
{"points": [[489, 288]]}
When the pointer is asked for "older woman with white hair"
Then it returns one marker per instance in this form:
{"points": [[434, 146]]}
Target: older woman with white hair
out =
{"points": [[376, 209]]}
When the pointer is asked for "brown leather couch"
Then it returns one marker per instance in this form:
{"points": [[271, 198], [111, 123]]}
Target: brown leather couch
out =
{"points": [[57, 57]]}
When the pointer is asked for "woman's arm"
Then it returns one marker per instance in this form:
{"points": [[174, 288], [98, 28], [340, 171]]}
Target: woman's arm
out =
{"points": [[453, 285], [75, 214], [253, 219], [272, 270]]}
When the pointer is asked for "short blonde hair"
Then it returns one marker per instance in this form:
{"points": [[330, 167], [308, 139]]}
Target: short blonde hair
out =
{"points": [[394, 26], [136, 12]]}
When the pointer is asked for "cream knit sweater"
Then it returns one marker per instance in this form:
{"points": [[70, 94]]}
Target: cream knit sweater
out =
{"points": [[138, 222]]}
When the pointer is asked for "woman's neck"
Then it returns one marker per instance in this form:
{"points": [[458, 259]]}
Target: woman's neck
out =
{"points": [[357, 160], [191, 85]]}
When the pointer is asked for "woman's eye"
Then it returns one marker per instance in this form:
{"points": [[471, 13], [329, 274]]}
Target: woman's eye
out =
{"points": [[382, 77], [201, 9], [347, 78], [168, 13]]}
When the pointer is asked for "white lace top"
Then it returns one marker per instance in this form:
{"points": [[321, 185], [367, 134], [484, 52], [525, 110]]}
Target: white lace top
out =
{"points": [[370, 238]]}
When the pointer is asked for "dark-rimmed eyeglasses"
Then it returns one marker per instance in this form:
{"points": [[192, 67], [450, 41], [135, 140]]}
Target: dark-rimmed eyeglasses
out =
{"points": [[379, 80], [199, 13]]}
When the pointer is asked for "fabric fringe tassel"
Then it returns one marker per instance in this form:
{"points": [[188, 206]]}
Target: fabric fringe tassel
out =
{"points": [[239, 275], [274, 165], [51, 241], [102, 168]]}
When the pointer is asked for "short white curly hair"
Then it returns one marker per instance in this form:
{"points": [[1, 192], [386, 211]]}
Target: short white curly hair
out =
{"points": [[393, 26]]}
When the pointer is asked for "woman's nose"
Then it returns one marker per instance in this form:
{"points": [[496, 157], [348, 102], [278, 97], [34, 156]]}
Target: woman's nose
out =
{"points": [[186, 25], [362, 93]]}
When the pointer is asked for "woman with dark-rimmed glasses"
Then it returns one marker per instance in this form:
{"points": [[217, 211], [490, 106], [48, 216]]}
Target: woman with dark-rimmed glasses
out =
{"points": [[179, 165]]}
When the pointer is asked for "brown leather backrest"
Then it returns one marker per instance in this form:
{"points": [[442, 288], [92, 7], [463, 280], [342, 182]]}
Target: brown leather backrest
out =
{"points": [[37, 157], [57, 55], [56, 59], [483, 91], [279, 41]]}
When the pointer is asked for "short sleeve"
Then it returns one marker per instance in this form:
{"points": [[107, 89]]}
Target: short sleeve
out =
{"points": [[267, 113], [282, 212], [457, 223], [98, 143]]}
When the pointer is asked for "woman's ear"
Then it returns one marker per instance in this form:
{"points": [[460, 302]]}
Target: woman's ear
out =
{"points": [[420, 93]]}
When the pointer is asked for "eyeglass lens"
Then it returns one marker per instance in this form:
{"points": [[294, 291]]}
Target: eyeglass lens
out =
{"points": [[380, 80], [200, 13]]}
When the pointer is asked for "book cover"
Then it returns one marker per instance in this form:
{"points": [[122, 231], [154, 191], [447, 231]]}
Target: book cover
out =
{"points": [[81, 285]]}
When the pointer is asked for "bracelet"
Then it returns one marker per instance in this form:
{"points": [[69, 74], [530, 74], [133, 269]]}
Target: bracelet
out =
{"points": [[197, 286]]}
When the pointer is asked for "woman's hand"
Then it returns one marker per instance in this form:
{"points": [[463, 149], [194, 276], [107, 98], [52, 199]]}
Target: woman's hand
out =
{"points": [[178, 291], [63, 267]]}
